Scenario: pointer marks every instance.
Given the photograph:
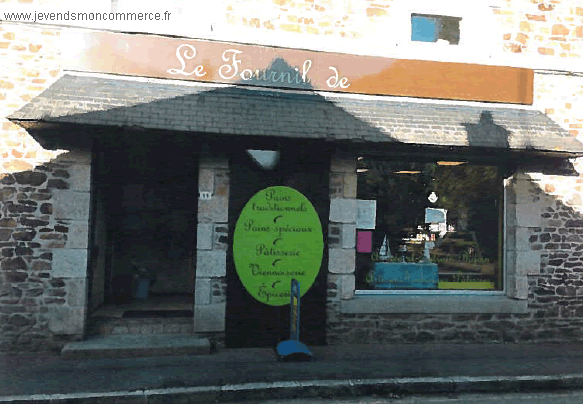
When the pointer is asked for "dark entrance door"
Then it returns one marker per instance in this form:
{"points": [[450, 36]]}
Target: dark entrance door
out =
{"points": [[250, 323]]}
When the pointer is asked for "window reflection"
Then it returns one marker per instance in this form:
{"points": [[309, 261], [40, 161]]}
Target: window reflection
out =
{"points": [[438, 225]]}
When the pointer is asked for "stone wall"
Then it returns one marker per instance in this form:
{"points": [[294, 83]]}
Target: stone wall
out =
{"points": [[324, 17], [538, 27], [525, 27], [44, 238], [44, 206], [560, 96]]}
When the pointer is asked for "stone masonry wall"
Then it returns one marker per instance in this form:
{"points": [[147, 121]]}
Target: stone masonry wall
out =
{"points": [[44, 227], [312, 17], [44, 196], [527, 27], [560, 96], [539, 27], [44, 206]]}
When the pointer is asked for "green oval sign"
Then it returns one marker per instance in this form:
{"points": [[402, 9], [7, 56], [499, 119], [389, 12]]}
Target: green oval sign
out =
{"points": [[278, 237]]}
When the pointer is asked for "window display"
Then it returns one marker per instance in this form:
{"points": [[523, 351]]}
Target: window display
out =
{"points": [[438, 225]]}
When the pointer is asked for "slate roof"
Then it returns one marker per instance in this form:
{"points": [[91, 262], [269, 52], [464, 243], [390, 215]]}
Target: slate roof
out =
{"points": [[238, 110]]}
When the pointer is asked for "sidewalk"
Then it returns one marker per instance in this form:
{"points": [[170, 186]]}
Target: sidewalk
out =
{"points": [[237, 374]]}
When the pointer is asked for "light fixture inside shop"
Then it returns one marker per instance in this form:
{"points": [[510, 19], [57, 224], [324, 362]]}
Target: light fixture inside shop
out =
{"points": [[407, 172], [451, 163], [362, 170], [266, 159]]}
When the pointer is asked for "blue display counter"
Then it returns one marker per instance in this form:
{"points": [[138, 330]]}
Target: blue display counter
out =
{"points": [[404, 275]]}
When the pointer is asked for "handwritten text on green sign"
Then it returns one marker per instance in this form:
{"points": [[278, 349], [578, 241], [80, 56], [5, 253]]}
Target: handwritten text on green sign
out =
{"points": [[278, 237]]}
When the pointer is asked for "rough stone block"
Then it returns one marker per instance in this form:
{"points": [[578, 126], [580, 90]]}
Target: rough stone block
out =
{"points": [[202, 292], [220, 236], [345, 284], [77, 234], [210, 318], [204, 236], [350, 183], [211, 263], [222, 182], [206, 180], [69, 263], [79, 177], [78, 156], [336, 185], [517, 287], [214, 210], [527, 263], [341, 261], [529, 215], [343, 164], [522, 237], [510, 262], [76, 292], [511, 215], [526, 191], [67, 320], [348, 235], [343, 210], [214, 162], [510, 240], [69, 204], [510, 192]]}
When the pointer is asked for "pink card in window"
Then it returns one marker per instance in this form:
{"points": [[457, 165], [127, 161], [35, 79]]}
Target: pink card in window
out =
{"points": [[364, 241]]}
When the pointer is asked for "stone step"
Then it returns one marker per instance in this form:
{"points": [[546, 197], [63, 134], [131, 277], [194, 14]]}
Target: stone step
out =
{"points": [[135, 346], [139, 326]]}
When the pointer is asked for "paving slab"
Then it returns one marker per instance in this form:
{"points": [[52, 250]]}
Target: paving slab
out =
{"points": [[133, 346]]}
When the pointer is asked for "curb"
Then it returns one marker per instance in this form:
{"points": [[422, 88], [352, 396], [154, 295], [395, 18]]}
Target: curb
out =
{"points": [[313, 388]]}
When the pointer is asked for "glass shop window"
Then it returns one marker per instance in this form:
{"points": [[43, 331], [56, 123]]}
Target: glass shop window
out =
{"points": [[428, 225], [435, 28]]}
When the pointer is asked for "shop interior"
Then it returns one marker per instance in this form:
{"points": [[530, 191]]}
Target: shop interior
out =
{"points": [[438, 225]]}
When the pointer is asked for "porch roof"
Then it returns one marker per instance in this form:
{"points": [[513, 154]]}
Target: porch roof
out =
{"points": [[118, 101]]}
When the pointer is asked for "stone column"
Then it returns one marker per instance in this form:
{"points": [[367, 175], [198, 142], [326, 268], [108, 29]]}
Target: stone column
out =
{"points": [[526, 204], [341, 236], [211, 255], [71, 212]]}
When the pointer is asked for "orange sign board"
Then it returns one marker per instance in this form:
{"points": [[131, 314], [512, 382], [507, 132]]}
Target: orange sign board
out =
{"points": [[220, 62]]}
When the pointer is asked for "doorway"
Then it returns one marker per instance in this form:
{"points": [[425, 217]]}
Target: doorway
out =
{"points": [[145, 199], [249, 323]]}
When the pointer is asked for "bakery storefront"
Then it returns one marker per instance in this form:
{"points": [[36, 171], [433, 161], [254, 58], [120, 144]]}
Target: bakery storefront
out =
{"points": [[395, 190]]}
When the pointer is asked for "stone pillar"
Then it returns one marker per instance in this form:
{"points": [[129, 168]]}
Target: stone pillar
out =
{"points": [[71, 212], [526, 205], [342, 226], [211, 255]]}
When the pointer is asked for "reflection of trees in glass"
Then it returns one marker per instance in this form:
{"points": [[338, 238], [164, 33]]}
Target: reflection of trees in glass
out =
{"points": [[401, 198], [469, 193]]}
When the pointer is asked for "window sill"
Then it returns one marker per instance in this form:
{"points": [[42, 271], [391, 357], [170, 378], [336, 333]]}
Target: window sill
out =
{"points": [[432, 304]]}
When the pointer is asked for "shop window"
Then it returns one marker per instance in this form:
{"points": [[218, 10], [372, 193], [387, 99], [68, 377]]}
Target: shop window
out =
{"points": [[434, 28], [433, 225]]}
